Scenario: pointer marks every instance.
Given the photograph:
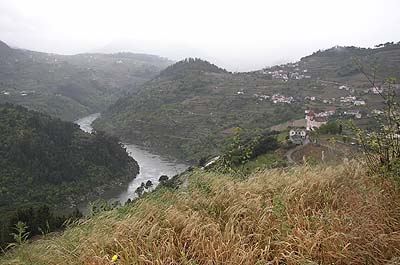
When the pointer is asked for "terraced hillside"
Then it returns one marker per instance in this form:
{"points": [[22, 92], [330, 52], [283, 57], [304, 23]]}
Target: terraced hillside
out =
{"points": [[72, 86], [191, 108], [189, 112]]}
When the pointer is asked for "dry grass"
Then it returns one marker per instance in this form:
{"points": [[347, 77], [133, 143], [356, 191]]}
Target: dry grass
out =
{"points": [[322, 215]]}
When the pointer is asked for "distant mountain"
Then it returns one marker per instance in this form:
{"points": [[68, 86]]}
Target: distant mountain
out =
{"points": [[341, 63], [191, 108], [72, 86]]}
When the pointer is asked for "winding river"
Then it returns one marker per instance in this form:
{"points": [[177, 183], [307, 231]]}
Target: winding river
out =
{"points": [[151, 166]]}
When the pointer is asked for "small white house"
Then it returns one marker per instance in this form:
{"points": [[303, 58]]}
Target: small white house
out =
{"points": [[297, 136], [359, 103]]}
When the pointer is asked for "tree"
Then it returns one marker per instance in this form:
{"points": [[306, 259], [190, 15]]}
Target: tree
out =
{"points": [[149, 184], [381, 146], [163, 179], [139, 191]]}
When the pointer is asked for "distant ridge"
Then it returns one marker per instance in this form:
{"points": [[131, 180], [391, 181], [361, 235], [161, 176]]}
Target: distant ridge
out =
{"points": [[72, 86], [4, 48], [191, 64]]}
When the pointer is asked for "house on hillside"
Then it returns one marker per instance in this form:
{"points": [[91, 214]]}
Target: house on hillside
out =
{"points": [[377, 90], [359, 103], [314, 121], [297, 136], [355, 113], [331, 110]]}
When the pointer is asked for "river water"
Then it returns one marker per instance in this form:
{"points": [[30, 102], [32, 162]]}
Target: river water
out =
{"points": [[151, 166]]}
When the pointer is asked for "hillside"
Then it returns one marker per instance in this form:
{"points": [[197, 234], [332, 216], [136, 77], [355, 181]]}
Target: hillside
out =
{"points": [[304, 215], [44, 160], [70, 87], [192, 107]]}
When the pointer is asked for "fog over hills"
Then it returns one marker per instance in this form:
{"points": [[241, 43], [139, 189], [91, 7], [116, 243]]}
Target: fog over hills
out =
{"points": [[71, 86], [236, 35]]}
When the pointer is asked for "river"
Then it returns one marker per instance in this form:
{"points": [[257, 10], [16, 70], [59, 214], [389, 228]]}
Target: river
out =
{"points": [[152, 166]]}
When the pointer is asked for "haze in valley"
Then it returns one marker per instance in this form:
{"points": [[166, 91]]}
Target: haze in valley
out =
{"points": [[237, 35]]}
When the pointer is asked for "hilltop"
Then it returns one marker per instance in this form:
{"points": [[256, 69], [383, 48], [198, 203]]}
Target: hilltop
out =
{"points": [[72, 86], [190, 107], [193, 106], [303, 215], [4, 48], [190, 65], [46, 161]]}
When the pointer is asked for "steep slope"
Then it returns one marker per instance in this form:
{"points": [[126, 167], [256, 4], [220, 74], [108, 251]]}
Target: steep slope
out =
{"points": [[341, 63], [46, 160], [190, 108], [72, 86], [304, 215]]}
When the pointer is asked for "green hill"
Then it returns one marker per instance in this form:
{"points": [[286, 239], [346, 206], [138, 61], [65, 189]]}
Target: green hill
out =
{"points": [[302, 215], [192, 107], [70, 87], [44, 160]]}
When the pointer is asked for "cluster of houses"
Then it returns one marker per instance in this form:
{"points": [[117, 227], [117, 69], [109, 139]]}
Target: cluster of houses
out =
{"points": [[286, 75], [22, 93], [374, 90], [314, 120], [325, 101], [347, 88], [352, 100], [278, 98], [261, 97], [354, 113]]}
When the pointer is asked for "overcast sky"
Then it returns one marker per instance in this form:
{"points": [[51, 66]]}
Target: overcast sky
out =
{"points": [[238, 35]]}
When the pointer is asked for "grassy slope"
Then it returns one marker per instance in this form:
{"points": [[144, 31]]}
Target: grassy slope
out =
{"points": [[299, 216]]}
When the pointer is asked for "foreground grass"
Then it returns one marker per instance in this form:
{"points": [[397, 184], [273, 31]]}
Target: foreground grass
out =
{"points": [[304, 215]]}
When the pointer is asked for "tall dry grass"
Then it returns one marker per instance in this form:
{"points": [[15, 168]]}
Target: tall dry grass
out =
{"points": [[322, 215]]}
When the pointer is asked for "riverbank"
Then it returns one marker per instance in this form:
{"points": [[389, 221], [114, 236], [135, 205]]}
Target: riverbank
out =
{"points": [[151, 166]]}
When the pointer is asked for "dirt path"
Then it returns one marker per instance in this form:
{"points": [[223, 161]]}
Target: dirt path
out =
{"points": [[291, 151]]}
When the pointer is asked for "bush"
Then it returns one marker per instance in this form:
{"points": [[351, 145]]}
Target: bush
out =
{"points": [[382, 146]]}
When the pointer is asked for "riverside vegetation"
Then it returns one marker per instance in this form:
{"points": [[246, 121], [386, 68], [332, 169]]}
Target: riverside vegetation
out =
{"points": [[46, 161]]}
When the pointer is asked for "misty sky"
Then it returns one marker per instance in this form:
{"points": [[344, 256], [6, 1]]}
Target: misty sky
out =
{"points": [[238, 35]]}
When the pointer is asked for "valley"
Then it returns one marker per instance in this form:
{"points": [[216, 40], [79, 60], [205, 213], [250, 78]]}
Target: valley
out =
{"points": [[185, 153], [72, 86]]}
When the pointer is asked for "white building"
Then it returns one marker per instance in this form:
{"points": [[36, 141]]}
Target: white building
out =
{"points": [[359, 103]]}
